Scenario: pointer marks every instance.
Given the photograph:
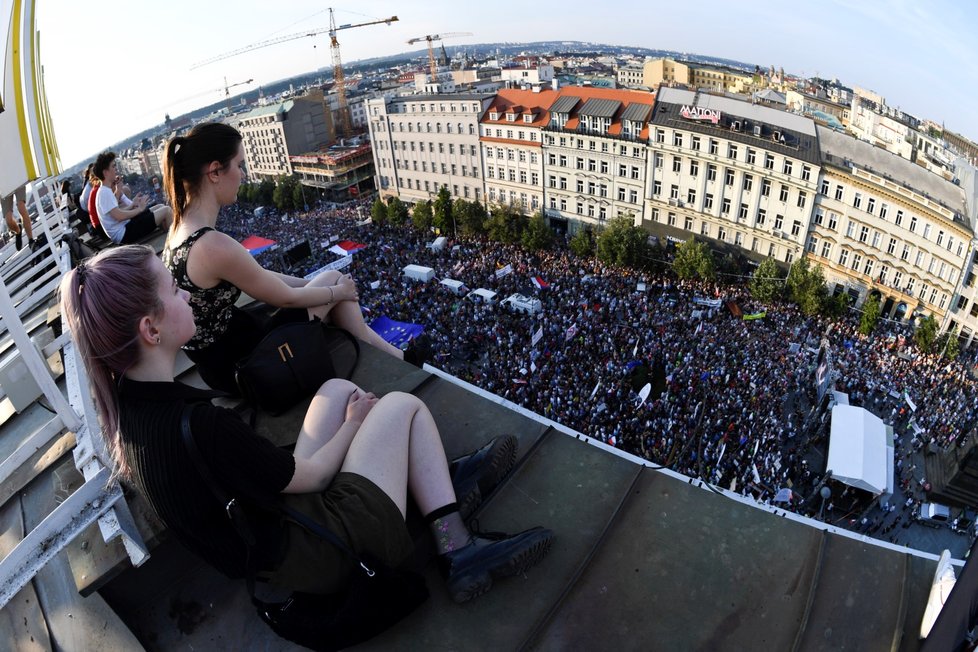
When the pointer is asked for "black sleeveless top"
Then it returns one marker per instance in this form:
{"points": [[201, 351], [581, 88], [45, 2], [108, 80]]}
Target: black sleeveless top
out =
{"points": [[211, 306]]}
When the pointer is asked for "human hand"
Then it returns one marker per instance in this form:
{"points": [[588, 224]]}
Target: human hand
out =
{"points": [[359, 405], [346, 289]]}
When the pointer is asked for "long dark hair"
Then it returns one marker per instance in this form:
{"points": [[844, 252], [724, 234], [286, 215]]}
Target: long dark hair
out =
{"points": [[186, 158], [102, 301]]}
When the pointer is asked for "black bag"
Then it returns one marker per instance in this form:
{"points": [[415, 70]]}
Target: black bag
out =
{"points": [[378, 596], [292, 361]]}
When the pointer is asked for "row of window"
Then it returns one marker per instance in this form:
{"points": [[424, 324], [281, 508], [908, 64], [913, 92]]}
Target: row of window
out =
{"points": [[875, 239], [421, 107], [517, 199], [431, 186], [594, 165], [426, 127], [866, 265], [593, 188], [582, 208], [593, 145], [722, 234], [512, 154], [747, 183], [882, 210], [518, 134], [691, 195], [733, 152], [409, 145], [512, 175], [443, 169]]}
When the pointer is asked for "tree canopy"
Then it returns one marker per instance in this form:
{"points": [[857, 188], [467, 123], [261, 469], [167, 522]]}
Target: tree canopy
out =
{"points": [[767, 281], [537, 234], [806, 286], [693, 260], [622, 243]]}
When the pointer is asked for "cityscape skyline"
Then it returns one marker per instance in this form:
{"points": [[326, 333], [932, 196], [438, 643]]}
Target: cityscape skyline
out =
{"points": [[153, 80]]}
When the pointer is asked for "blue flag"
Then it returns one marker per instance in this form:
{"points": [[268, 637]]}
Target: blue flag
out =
{"points": [[396, 332]]}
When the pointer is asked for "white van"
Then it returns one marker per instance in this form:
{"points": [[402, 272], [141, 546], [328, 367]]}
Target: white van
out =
{"points": [[934, 515], [522, 303], [419, 273], [482, 295], [457, 287]]}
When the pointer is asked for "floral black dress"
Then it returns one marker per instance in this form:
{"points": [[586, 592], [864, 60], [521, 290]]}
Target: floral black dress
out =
{"points": [[225, 333]]}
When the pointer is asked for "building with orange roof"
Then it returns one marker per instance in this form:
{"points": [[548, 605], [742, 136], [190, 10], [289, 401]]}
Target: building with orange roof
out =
{"points": [[596, 148], [511, 140]]}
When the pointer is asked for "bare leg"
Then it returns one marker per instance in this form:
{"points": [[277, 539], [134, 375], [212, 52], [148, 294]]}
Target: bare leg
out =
{"points": [[25, 219], [163, 216], [9, 217], [398, 447], [325, 416], [348, 315]]}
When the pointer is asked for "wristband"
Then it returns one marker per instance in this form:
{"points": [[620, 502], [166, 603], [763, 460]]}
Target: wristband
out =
{"points": [[332, 296]]}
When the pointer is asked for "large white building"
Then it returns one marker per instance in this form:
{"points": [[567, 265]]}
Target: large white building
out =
{"points": [[512, 147], [595, 149], [424, 142], [884, 225], [732, 172]]}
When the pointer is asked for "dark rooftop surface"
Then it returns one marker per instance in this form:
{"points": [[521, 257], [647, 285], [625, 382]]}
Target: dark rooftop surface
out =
{"points": [[644, 559], [600, 108]]}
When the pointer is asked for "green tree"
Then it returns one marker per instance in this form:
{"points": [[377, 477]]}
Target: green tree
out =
{"points": [[582, 243], [299, 196], [470, 216], [282, 195], [397, 211], [505, 224], [622, 243], [693, 260], [538, 234], [378, 211], [263, 196], [421, 216], [871, 314], [245, 192], [441, 210], [767, 281], [835, 306], [948, 344], [926, 334], [806, 286]]}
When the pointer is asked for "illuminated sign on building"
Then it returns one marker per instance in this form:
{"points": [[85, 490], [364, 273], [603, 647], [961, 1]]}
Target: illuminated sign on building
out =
{"points": [[699, 113]]}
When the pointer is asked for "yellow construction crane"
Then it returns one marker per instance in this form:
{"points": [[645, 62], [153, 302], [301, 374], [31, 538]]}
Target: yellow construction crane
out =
{"points": [[431, 53], [227, 91], [343, 111]]}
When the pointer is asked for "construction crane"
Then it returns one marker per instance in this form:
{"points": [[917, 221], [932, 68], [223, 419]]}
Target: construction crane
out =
{"points": [[431, 53], [343, 111], [227, 91]]}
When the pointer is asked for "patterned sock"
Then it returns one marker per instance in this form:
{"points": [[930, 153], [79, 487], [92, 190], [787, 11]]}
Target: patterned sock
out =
{"points": [[448, 528]]}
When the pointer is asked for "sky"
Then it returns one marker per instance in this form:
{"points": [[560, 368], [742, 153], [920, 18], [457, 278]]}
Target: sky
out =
{"points": [[110, 73]]}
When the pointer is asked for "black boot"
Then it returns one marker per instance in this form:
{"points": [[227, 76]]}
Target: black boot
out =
{"points": [[469, 571], [19, 239], [476, 474], [418, 351]]}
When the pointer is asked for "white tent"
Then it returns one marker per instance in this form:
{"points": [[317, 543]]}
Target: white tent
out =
{"points": [[858, 450]]}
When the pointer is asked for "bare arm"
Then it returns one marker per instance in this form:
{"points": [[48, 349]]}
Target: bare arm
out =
{"points": [[216, 257], [315, 472]]}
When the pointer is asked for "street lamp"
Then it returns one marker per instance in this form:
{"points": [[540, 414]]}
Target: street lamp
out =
{"points": [[825, 493]]}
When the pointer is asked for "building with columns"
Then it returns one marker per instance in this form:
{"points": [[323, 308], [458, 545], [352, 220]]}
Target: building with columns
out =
{"points": [[511, 142], [595, 156], [424, 142], [731, 172]]}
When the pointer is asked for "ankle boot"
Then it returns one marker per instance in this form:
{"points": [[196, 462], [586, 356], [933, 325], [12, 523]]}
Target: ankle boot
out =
{"points": [[470, 571], [475, 475]]}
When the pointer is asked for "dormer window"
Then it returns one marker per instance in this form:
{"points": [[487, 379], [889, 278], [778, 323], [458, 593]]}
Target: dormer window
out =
{"points": [[527, 117], [510, 117], [494, 115]]}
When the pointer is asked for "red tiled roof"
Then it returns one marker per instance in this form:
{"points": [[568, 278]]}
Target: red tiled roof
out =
{"points": [[626, 97], [524, 102]]}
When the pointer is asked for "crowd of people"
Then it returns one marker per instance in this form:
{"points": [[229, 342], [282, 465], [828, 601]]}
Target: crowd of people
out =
{"points": [[730, 397]]}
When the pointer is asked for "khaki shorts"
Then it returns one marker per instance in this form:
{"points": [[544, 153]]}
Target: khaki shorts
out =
{"points": [[359, 513]]}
